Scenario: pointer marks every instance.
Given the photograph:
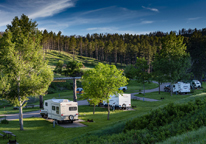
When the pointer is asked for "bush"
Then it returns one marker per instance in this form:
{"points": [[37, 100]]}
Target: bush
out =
{"points": [[157, 126], [4, 121]]}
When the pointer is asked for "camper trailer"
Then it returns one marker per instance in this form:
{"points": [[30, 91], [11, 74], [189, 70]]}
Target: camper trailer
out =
{"points": [[195, 84], [60, 110], [121, 101], [181, 88]]}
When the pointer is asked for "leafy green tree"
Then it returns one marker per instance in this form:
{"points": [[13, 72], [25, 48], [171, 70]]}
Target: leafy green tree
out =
{"points": [[102, 81], [24, 71], [59, 66], [158, 74], [142, 76], [73, 67], [173, 60], [197, 48], [130, 71]]}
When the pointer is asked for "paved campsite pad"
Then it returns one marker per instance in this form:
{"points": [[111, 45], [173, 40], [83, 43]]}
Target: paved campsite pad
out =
{"points": [[68, 124]]}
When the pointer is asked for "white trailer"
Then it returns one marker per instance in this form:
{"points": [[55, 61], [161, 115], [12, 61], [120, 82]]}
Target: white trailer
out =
{"points": [[60, 110], [181, 88], [121, 101], [195, 84]]}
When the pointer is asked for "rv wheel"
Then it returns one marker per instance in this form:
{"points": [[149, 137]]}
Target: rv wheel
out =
{"points": [[71, 117], [71, 121], [42, 115]]}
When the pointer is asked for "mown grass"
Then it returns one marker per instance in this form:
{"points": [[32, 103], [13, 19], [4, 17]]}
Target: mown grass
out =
{"points": [[10, 110], [192, 137], [134, 87], [38, 130]]}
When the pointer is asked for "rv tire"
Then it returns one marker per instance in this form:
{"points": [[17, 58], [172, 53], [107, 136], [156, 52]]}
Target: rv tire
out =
{"points": [[71, 121]]}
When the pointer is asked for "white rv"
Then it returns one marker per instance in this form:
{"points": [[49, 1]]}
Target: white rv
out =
{"points": [[60, 110], [121, 101], [181, 87]]}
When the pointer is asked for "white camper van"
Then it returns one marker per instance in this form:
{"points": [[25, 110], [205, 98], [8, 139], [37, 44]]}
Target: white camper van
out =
{"points": [[60, 110], [181, 87], [121, 101]]}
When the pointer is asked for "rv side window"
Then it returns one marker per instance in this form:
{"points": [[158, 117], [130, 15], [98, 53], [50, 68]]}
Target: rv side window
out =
{"points": [[57, 110], [72, 108], [46, 104], [53, 107]]}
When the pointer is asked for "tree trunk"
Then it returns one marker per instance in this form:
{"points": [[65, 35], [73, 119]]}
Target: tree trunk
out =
{"points": [[20, 104], [74, 90], [159, 87], [96, 50], [40, 101], [81, 48], [94, 109], [108, 111], [144, 88]]}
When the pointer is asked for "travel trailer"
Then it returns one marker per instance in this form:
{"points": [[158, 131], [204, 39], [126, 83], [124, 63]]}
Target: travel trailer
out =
{"points": [[121, 101], [181, 88], [60, 110], [195, 84]]}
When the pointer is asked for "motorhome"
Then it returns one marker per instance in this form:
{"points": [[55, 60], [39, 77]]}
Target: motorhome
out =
{"points": [[181, 88], [121, 101], [60, 110]]}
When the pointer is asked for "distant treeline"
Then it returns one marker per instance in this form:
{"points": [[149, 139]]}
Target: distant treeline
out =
{"points": [[126, 48]]}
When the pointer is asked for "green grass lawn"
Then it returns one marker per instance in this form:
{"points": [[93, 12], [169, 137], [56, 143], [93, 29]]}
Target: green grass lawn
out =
{"points": [[134, 86], [10, 110], [38, 130]]}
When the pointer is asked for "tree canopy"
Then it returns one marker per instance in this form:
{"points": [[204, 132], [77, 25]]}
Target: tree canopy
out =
{"points": [[102, 81], [24, 70]]}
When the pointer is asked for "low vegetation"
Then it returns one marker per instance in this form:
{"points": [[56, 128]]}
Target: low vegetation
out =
{"points": [[42, 129]]}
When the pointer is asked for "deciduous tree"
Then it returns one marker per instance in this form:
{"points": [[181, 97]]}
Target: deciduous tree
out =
{"points": [[24, 70], [102, 81]]}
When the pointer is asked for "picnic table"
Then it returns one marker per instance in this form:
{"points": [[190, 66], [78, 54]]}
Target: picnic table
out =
{"points": [[8, 133]]}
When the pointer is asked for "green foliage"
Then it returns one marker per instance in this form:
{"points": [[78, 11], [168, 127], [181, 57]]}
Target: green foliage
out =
{"points": [[24, 71], [157, 126], [130, 71], [102, 81], [141, 74], [4, 121], [59, 66], [73, 68], [172, 62]]}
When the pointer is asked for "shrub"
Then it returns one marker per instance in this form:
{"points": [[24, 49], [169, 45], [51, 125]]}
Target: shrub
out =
{"points": [[4, 121]]}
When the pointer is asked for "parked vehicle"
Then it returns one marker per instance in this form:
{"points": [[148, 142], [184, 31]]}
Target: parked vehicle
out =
{"points": [[195, 84], [124, 88], [60, 110], [181, 88], [79, 91], [120, 101], [167, 88]]}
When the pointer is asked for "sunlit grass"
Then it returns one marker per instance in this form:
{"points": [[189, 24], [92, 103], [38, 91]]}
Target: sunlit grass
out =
{"points": [[38, 130], [134, 87]]}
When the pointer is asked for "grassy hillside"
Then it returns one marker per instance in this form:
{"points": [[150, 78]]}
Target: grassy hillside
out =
{"points": [[54, 56]]}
